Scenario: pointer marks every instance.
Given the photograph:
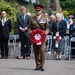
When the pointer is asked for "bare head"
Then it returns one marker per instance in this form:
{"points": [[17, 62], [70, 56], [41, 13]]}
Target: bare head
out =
{"points": [[52, 17], [58, 17], [3, 14], [23, 10]]}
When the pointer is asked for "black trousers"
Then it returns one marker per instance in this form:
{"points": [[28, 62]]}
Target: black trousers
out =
{"points": [[4, 46], [73, 50], [25, 45]]}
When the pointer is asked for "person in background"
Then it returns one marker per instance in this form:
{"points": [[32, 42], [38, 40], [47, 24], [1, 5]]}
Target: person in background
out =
{"points": [[63, 18], [69, 22], [22, 24], [5, 28], [72, 29], [47, 17], [39, 21], [72, 35], [59, 28], [52, 19], [28, 13]]}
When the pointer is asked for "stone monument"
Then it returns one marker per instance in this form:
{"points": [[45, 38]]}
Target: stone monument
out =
{"points": [[55, 5]]}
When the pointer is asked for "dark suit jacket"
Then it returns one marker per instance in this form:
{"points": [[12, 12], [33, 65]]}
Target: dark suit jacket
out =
{"points": [[61, 29], [20, 23], [5, 30], [72, 30]]}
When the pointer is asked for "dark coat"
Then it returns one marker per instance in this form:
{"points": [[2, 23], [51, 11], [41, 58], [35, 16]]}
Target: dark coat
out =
{"points": [[5, 30], [72, 30], [50, 26], [61, 28], [21, 23]]}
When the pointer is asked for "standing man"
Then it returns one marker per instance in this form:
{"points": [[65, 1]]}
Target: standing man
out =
{"points": [[39, 21], [5, 28], [22, 23]]}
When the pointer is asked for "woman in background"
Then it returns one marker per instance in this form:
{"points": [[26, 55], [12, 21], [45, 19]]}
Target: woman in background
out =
{"points": [[59, 27]]}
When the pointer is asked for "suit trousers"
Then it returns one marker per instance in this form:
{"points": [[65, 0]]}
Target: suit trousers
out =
{"points": [[4, 46], [25, 45], [39, 53]]}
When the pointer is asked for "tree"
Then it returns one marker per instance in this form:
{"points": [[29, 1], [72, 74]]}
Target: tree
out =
{"points": [[68, 5], [45, 3]]}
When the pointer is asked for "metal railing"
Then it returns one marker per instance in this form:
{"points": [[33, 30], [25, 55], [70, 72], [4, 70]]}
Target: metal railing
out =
{"points": [[14, 44]]}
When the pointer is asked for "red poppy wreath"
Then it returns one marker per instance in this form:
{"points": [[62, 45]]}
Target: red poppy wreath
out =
{"points": [[37, 36]]}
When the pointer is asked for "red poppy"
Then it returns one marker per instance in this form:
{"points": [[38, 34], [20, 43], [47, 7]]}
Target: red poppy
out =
{"points": [[57, 37]]}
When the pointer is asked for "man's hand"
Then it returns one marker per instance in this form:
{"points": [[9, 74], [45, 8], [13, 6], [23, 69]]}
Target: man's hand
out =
{"points": [[23, 29]]}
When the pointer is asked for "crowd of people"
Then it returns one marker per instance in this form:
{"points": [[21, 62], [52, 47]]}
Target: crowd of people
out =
{"points": [[63, 27], [55, 25]]}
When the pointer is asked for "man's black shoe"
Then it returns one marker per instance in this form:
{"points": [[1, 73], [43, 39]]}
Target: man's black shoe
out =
{"points": [[6, 57], [59, 59], [42, 69], [2, 58], [37, 68]]}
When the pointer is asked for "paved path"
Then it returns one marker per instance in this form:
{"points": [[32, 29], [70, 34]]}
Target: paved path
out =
{"points": [[26, 67]]}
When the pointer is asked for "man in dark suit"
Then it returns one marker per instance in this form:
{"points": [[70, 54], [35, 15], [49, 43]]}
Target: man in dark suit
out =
{"points": [[5, 28], [22, 23]]}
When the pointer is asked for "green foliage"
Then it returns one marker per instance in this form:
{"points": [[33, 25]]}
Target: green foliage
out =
{"points": [[45, 3], [68, 5], [30, 9]]}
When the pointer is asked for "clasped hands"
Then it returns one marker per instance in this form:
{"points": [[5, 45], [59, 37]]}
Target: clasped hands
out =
{"points": [[23, 29]]}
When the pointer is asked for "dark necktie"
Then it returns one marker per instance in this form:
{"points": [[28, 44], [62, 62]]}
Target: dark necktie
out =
{"points": [[24, 18]]}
